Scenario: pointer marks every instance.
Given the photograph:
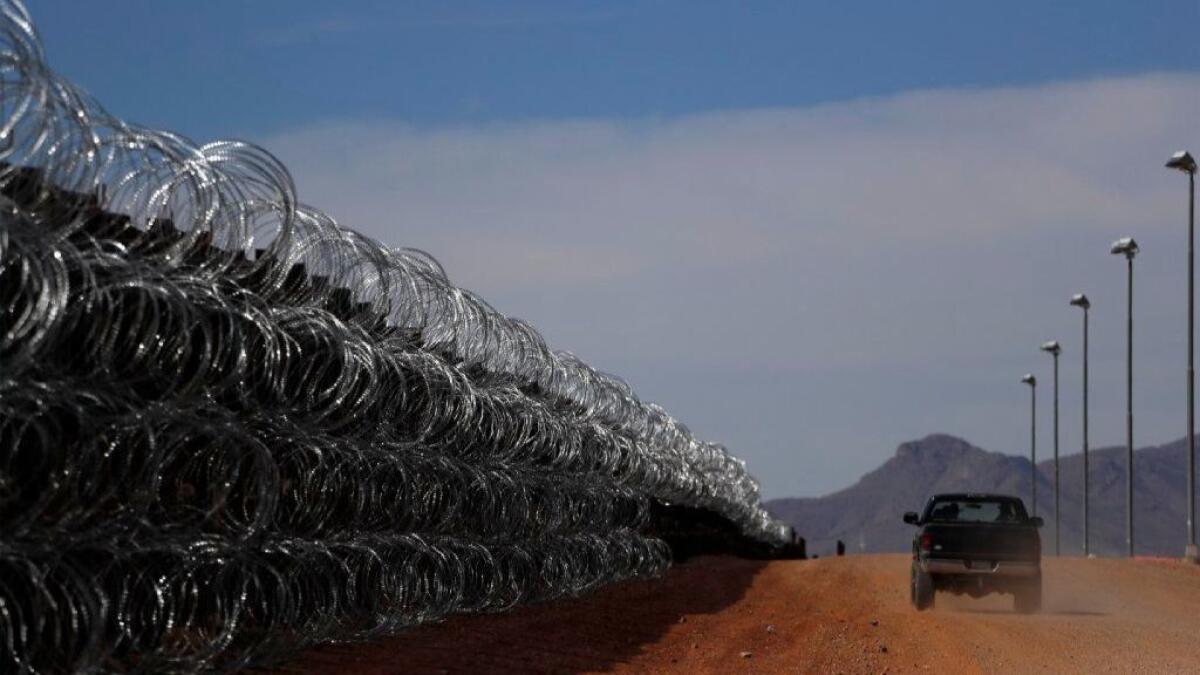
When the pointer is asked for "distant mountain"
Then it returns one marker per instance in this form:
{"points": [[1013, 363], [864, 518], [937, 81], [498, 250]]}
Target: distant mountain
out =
{"points": [[867, 515]]}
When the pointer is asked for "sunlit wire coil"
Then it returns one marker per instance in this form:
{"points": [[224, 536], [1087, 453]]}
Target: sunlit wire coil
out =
{"points": [[231, 428]]}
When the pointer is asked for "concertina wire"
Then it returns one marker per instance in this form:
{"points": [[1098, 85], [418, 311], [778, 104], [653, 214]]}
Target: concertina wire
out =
{"points": [[231, 428]]}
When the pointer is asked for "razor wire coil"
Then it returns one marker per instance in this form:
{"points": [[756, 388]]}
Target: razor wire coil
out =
{"points": [[231, 427]]}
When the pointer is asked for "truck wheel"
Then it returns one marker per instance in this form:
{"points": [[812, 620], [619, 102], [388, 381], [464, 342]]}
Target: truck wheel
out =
{"points": [[921, 587], [1028, 597]]}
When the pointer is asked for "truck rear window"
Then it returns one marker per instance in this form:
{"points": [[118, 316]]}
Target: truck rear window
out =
{"points": [[977, 511]]}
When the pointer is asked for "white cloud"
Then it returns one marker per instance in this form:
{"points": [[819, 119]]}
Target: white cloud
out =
{"points": [[893, 260]]}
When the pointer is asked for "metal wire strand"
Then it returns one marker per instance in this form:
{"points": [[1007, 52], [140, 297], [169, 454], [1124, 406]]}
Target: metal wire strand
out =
{"points": [[231, 427]]}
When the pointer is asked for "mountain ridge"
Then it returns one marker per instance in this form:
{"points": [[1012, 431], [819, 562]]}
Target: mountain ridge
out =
{"points": [[866, 515]]}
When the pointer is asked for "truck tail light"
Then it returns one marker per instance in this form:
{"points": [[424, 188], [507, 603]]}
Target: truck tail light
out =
{"points": [[926, 542]]}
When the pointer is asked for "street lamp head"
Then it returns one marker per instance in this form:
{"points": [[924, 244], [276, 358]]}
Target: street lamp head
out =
{"points": [[1052, 346], [1183, 161], [1029, 380], [1081, 300], [1125, 246]]}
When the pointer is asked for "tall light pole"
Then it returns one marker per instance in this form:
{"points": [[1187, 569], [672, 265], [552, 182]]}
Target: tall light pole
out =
{"points": [[1128, 248], [1081, 300], [1032, 382], [1053, 348], [1184, 162]]}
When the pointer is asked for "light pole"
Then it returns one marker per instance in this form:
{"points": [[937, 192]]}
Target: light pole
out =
{"points": [[1032, 382], [1128, 248], [1053, 348], [1184, 162], [1081, 300]]}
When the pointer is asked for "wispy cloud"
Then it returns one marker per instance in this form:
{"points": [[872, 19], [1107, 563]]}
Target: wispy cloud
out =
{"points": [[893, 259]]}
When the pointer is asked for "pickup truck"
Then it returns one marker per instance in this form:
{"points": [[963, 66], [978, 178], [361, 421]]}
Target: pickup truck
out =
{"points": [[976, 544]]}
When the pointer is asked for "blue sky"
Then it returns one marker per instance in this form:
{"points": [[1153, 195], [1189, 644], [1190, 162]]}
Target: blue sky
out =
{"points": [[216, 69], [811, 231]]}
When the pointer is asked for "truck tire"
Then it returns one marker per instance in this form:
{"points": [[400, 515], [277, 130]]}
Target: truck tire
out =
{"points": [[1028, 597], [921, 588]]}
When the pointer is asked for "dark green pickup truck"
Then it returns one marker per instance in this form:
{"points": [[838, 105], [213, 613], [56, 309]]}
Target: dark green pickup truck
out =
{"points": [[976, 544]]}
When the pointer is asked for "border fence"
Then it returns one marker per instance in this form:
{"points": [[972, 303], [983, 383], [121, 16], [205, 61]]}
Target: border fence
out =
{"points": [[231, 427]]}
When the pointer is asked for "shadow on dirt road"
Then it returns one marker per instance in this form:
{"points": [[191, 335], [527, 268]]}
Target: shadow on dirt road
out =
{"points": [[594, 633]]}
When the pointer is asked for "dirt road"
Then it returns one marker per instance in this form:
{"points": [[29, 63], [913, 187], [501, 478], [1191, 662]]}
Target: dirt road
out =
{"points": [[837, 615]]}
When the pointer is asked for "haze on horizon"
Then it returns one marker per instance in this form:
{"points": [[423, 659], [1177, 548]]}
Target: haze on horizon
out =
{"points": [[808, 249]]}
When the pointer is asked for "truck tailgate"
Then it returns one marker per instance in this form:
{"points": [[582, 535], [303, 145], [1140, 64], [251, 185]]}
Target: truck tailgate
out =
{"points": [[977, 541]]}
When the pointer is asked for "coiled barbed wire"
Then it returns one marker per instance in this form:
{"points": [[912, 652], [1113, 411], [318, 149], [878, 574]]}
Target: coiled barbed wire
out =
{"points": [[231, 427]]}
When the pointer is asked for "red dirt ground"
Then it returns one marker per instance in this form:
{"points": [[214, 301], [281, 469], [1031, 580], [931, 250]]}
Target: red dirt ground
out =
{"points": [[834, 615]]}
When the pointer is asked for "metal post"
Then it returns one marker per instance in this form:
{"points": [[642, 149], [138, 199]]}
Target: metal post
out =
{"points": [[1183, 161], [1128, 247], [1081, 301], [1129, 409], [1086, 548], [1056, 503], [1030, 380], [1191, 551], [1033, 447], [1055, 350]]}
